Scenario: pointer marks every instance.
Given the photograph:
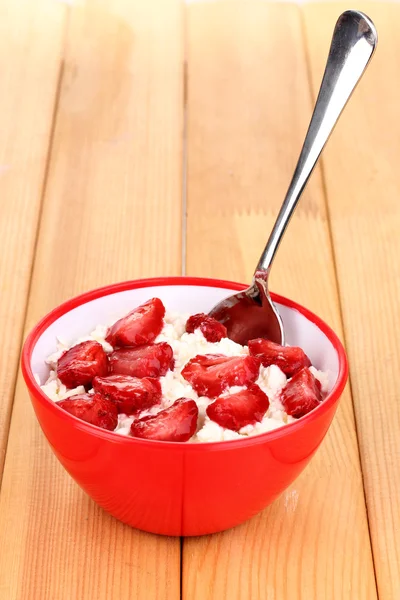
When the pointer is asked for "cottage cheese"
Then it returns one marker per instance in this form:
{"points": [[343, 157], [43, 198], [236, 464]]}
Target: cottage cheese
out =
{"points": [[185, 347]]}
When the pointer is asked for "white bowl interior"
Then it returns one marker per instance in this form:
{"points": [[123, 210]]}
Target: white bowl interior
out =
{"points": [[177, 298]]}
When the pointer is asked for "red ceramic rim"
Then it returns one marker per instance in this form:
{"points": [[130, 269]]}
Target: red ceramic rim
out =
{"points": [[55, 314]]}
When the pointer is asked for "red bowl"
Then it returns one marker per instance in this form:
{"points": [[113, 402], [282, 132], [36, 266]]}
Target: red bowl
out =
{"points": [[167, 487]]}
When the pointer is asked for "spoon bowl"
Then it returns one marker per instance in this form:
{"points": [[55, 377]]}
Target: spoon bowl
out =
{"points": [[250, 314]]}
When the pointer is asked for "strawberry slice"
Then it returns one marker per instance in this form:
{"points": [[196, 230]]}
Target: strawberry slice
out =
{"points": [[141, 326], [211, 374], [174, 424], [92, 408], [238, 410], [130, 394], [212, 329], [301, 394], [146, 361], [81, 363], [289, 359]]}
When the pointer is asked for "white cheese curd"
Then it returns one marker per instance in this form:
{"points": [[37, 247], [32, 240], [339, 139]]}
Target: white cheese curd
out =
{"points": [[174, 386], [174, 326], [124, 424], [322, 377], [55, 390], [212, 432], [186, 346]]}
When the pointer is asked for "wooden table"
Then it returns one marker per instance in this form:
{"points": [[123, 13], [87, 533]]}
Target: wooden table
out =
{"points": [[106, 108]]}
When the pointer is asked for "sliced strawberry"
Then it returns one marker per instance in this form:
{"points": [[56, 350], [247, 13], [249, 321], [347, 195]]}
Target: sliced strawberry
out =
{"points": [[130, 394], [92, 408], [211, 374], [141, 326], [81, 363], [238, 410], [174, 424], [289, 359], [212, 329], [301, 394], [146, 361]]}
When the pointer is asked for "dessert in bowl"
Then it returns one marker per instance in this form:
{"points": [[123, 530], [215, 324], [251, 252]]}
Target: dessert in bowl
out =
{"points": [[223, 469]]}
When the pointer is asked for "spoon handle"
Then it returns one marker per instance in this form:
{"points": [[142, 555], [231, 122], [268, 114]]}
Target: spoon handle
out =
{"points": [[353, 43]]}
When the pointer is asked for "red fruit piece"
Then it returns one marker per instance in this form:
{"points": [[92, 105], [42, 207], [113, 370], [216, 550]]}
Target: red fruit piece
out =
{"points": [[92, 408], [81, 363], [212, 329], [289, 359], [238, 410], [130, 394], [146, 361], [301, 394], [141, 326], [174, 424], [211, 374]]}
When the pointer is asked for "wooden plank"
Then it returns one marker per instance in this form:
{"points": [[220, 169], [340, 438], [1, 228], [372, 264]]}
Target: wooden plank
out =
{"points": [[363, 189], [112, 211], [248, 109], [28, 91]]}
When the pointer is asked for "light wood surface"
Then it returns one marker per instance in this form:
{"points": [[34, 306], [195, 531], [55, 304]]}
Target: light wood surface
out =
{"points": [[92, 166], [363, 189]]}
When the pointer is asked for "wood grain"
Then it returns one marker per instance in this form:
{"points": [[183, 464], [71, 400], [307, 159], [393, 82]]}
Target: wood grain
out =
{"points": [[28, 92], [363, 190], [248, 108], [112, 211]]}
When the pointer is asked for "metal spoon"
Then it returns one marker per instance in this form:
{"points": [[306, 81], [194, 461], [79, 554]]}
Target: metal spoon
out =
{"points": [[252, 313]]}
